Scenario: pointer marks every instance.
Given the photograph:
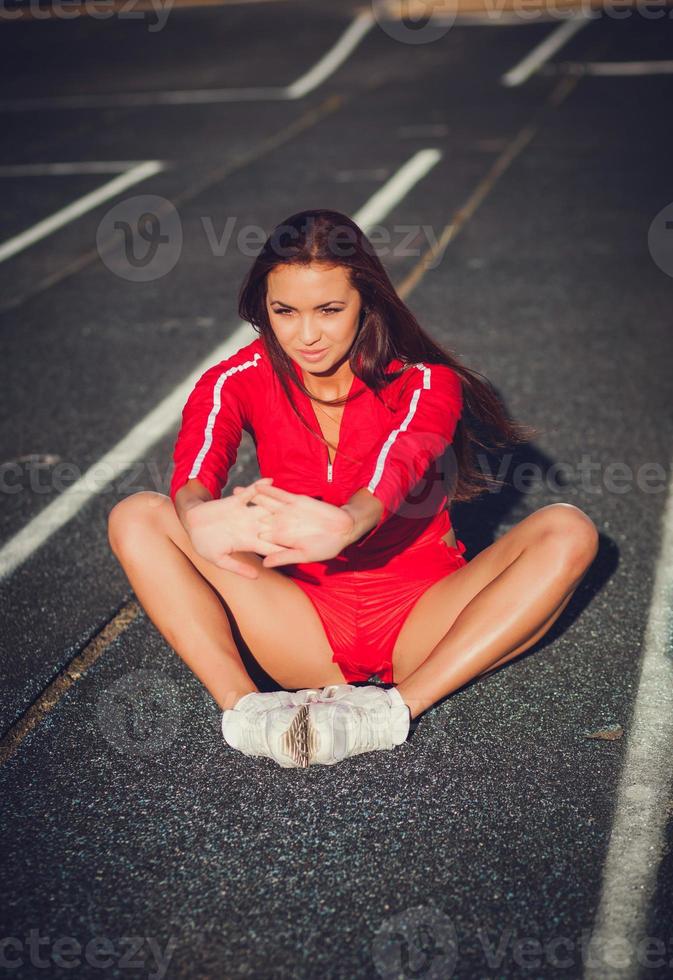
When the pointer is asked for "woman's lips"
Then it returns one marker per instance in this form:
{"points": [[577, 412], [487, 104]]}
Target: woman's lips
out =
{"points": [[313, 354]]}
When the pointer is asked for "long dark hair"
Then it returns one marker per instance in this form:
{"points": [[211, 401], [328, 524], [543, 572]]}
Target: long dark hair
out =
{"points": [[388, 329]]}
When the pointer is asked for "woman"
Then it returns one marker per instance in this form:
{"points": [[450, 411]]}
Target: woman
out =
{"points": [[340, 562]]}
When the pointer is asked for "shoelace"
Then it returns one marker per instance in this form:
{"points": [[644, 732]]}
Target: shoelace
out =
{"points": [[314, 695], [328, 692]]}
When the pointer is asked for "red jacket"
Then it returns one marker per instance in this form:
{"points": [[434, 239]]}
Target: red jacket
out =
{"points": [[390, 444]]}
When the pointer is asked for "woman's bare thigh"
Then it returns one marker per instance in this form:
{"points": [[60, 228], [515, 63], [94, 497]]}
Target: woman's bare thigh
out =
{"points": [[276, 619], [439, 607]]}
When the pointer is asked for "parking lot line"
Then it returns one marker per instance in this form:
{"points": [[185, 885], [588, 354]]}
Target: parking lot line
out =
{"points": [[79, 207], [308, 82], [638, 834], [544, 50]]}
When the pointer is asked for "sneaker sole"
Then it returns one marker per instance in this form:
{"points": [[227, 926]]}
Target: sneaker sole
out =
{"points": [[300, 741]]}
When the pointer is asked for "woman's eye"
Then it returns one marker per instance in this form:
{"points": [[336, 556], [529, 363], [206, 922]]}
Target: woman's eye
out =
{"points": [[330, 309]]}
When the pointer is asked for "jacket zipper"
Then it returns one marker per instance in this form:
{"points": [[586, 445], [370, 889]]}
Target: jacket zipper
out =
{"points": [[329, 469]]}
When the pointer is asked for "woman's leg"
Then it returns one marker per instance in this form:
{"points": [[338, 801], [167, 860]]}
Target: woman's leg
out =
{"points": [[495, 607], [179, 590]]}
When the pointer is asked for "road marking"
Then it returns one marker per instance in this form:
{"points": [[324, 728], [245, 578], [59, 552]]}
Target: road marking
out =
{"points": [[76, 167], [306, 120], [153, 427], [161, 420], [384, 200], [638, 834], [66, 678], [335, 57], [306, 83], [543, 51], [614, 67], [79, 207], [463, 214]]}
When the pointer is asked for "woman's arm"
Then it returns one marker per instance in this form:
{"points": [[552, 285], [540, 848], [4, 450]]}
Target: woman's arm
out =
{"points": [[213, 419], [422, 427], [366, 511], [191, 494]]}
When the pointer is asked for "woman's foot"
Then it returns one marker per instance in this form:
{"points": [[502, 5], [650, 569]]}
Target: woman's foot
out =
{"points": [[316, 725], [272, 724], [351, 720], [367, 694]]}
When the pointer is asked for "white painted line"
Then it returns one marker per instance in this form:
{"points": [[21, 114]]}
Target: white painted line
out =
{"points": [[134, 99], [543, 51], [76, 167], [326, 66], [621, 67], [114, 463], [159, 422], [78, 208], [329, 63], [385, 199], [638, 834]]}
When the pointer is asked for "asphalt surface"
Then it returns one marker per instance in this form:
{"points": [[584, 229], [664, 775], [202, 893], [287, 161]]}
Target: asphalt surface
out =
{"points": [[123, 812]]}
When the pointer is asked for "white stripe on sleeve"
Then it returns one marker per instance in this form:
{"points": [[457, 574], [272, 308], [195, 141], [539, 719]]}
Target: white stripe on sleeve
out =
{"points": [[210, 424], [380, 462]]}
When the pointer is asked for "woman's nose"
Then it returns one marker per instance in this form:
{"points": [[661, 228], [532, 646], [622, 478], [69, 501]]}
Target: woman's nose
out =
{"points": [[309, 332]]}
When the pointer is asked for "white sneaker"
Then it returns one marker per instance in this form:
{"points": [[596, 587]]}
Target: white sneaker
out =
{"points": [[276, 730], [316, 725], [350, 720], [361, 696], [260, 701], [268, 723]]}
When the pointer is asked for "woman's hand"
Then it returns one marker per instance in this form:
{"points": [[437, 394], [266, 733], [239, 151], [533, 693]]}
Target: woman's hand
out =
{"points": [[218, 527], [307, 529]]}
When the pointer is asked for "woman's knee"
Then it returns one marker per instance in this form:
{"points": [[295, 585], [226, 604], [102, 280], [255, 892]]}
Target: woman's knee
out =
{"points": [[138, 510], [574, 533]]}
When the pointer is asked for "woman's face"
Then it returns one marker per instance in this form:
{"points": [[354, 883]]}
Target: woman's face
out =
{"points": [[313, 308]]}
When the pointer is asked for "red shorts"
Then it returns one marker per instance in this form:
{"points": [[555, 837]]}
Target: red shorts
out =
{"points": [[363, 610]]}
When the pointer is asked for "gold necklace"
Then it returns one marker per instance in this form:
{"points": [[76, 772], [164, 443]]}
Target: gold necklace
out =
{"points": [[330, 417], [336, 422]]}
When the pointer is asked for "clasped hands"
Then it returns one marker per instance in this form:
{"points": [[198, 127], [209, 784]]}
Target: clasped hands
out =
{"points": [[300, 528], [281, 526]]}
